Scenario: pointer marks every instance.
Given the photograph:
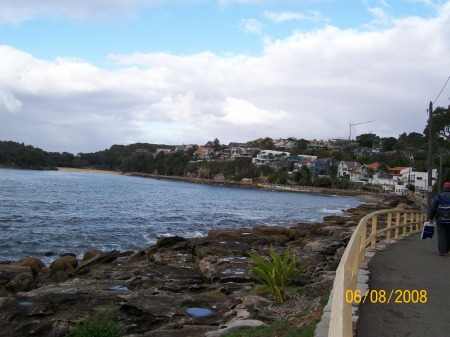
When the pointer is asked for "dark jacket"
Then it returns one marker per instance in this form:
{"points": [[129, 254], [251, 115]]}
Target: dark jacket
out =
{"points": [[445, 197]]}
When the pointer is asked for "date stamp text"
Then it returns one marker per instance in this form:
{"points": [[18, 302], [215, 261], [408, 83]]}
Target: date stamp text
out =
{"points": [[383, 296]]}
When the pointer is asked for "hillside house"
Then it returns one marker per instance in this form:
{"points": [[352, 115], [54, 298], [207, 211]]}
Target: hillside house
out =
{"points": [[284, 144], [317, 144], [346, 167], [371, 172], [240, 150], [163, 150], [365, 151], [269, 156], [300, 158], [322, 166], [204, 152]]}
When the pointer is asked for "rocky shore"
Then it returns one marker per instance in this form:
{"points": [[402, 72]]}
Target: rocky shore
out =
{"points": [[180, 286]]}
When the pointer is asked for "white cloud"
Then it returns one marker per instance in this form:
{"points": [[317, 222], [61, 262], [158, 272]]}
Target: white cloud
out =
{"points": [[21, 10], [250, 26], [380, 19], [279, 17], [226, 3], [9, 102], [242, 113], [309, 85]]}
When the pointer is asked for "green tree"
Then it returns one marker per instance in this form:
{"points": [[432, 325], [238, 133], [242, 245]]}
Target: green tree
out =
{"points": [[216, 145], [323, 182], [303, 176], [388, 144], [441, 122], [441, 126], [301, 144], [368, 140], [411, 141]]}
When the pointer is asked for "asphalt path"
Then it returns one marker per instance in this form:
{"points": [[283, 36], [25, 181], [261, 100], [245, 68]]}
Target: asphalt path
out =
{"points": [[407, 269]]}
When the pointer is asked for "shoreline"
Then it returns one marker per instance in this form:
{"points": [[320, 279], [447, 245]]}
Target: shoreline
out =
{"points": [[364, 196], [86, 170]]}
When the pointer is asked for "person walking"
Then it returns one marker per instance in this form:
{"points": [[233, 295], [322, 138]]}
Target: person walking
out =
{"points": [[440, 210]]}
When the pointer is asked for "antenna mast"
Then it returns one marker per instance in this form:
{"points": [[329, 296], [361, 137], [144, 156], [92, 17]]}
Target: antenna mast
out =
{"points": [[353, 124]]}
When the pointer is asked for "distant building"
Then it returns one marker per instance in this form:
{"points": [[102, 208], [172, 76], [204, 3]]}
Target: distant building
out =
{"points": [[240, 150], [204, 152], [268, 156], [317, 144], [163, 150], [345, 168]]}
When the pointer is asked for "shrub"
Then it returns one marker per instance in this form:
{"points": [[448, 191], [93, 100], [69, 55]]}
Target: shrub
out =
{"points": [[277, 273]]}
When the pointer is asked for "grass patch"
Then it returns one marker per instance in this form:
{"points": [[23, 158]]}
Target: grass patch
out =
{"points": [[303, 313], [214, 293], [278, 329], [260, 289], [304, 331], [325, 298], [98, 326], [306, 289]]}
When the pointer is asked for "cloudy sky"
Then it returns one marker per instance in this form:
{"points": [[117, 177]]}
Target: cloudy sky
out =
{"points": [[80, 76]]}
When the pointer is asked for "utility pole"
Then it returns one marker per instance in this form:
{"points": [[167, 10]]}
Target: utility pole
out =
{"points": [[430, 157], [440, 173]]}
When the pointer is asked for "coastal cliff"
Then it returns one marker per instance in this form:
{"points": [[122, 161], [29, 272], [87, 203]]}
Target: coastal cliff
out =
{"points": [[180, 286]]}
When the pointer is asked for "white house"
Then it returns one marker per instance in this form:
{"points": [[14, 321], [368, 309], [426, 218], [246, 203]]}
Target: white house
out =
{"points": [[267, 156], [398, 179], [420, 180], [346, 167]]}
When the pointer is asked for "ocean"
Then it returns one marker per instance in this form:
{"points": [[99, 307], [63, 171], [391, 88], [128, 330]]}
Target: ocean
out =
{"points": [[43, 212]]}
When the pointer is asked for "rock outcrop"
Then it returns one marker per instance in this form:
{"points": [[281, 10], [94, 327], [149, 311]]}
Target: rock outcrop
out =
{"points": [[178, 287]]}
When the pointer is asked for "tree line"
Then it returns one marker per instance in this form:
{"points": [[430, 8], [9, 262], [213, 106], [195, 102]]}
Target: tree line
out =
{"points": [[406, 150]]}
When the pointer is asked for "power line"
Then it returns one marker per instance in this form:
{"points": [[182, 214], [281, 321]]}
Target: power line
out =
{"points": [[442, 89]]}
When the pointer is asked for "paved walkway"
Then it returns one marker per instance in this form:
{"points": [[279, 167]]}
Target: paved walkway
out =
{"points": [[411, 264]]}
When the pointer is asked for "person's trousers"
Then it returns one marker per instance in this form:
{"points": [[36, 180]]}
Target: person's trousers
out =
{"points": [[443, 232]]}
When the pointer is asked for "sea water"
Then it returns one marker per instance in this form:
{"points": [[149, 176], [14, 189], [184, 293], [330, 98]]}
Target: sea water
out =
{"points": [[54, 212]]}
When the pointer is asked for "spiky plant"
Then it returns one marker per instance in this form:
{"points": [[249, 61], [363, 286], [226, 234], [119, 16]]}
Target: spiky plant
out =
{"points": [[277, 272]]}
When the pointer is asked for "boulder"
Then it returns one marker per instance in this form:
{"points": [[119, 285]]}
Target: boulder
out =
{"points": [[174, 243], [91, 253], [234, 326], [8, 273], [107, 257], [271, 231], [225, 233], [35, 264], [14, 268], [20, 283], [64, 263]]}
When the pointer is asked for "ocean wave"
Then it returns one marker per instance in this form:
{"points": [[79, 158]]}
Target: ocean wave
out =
{"points": [[332, 211], [86, 211]]}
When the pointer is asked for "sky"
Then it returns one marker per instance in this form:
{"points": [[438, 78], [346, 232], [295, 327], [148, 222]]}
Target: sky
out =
{"points": [[81, 76]]}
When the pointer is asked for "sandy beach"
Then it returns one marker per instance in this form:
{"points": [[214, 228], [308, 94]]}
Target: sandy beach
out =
{"points": [[87, 170]]}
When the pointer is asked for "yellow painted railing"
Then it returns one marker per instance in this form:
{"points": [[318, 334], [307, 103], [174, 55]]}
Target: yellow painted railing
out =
{"points": [[385, 224]]}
